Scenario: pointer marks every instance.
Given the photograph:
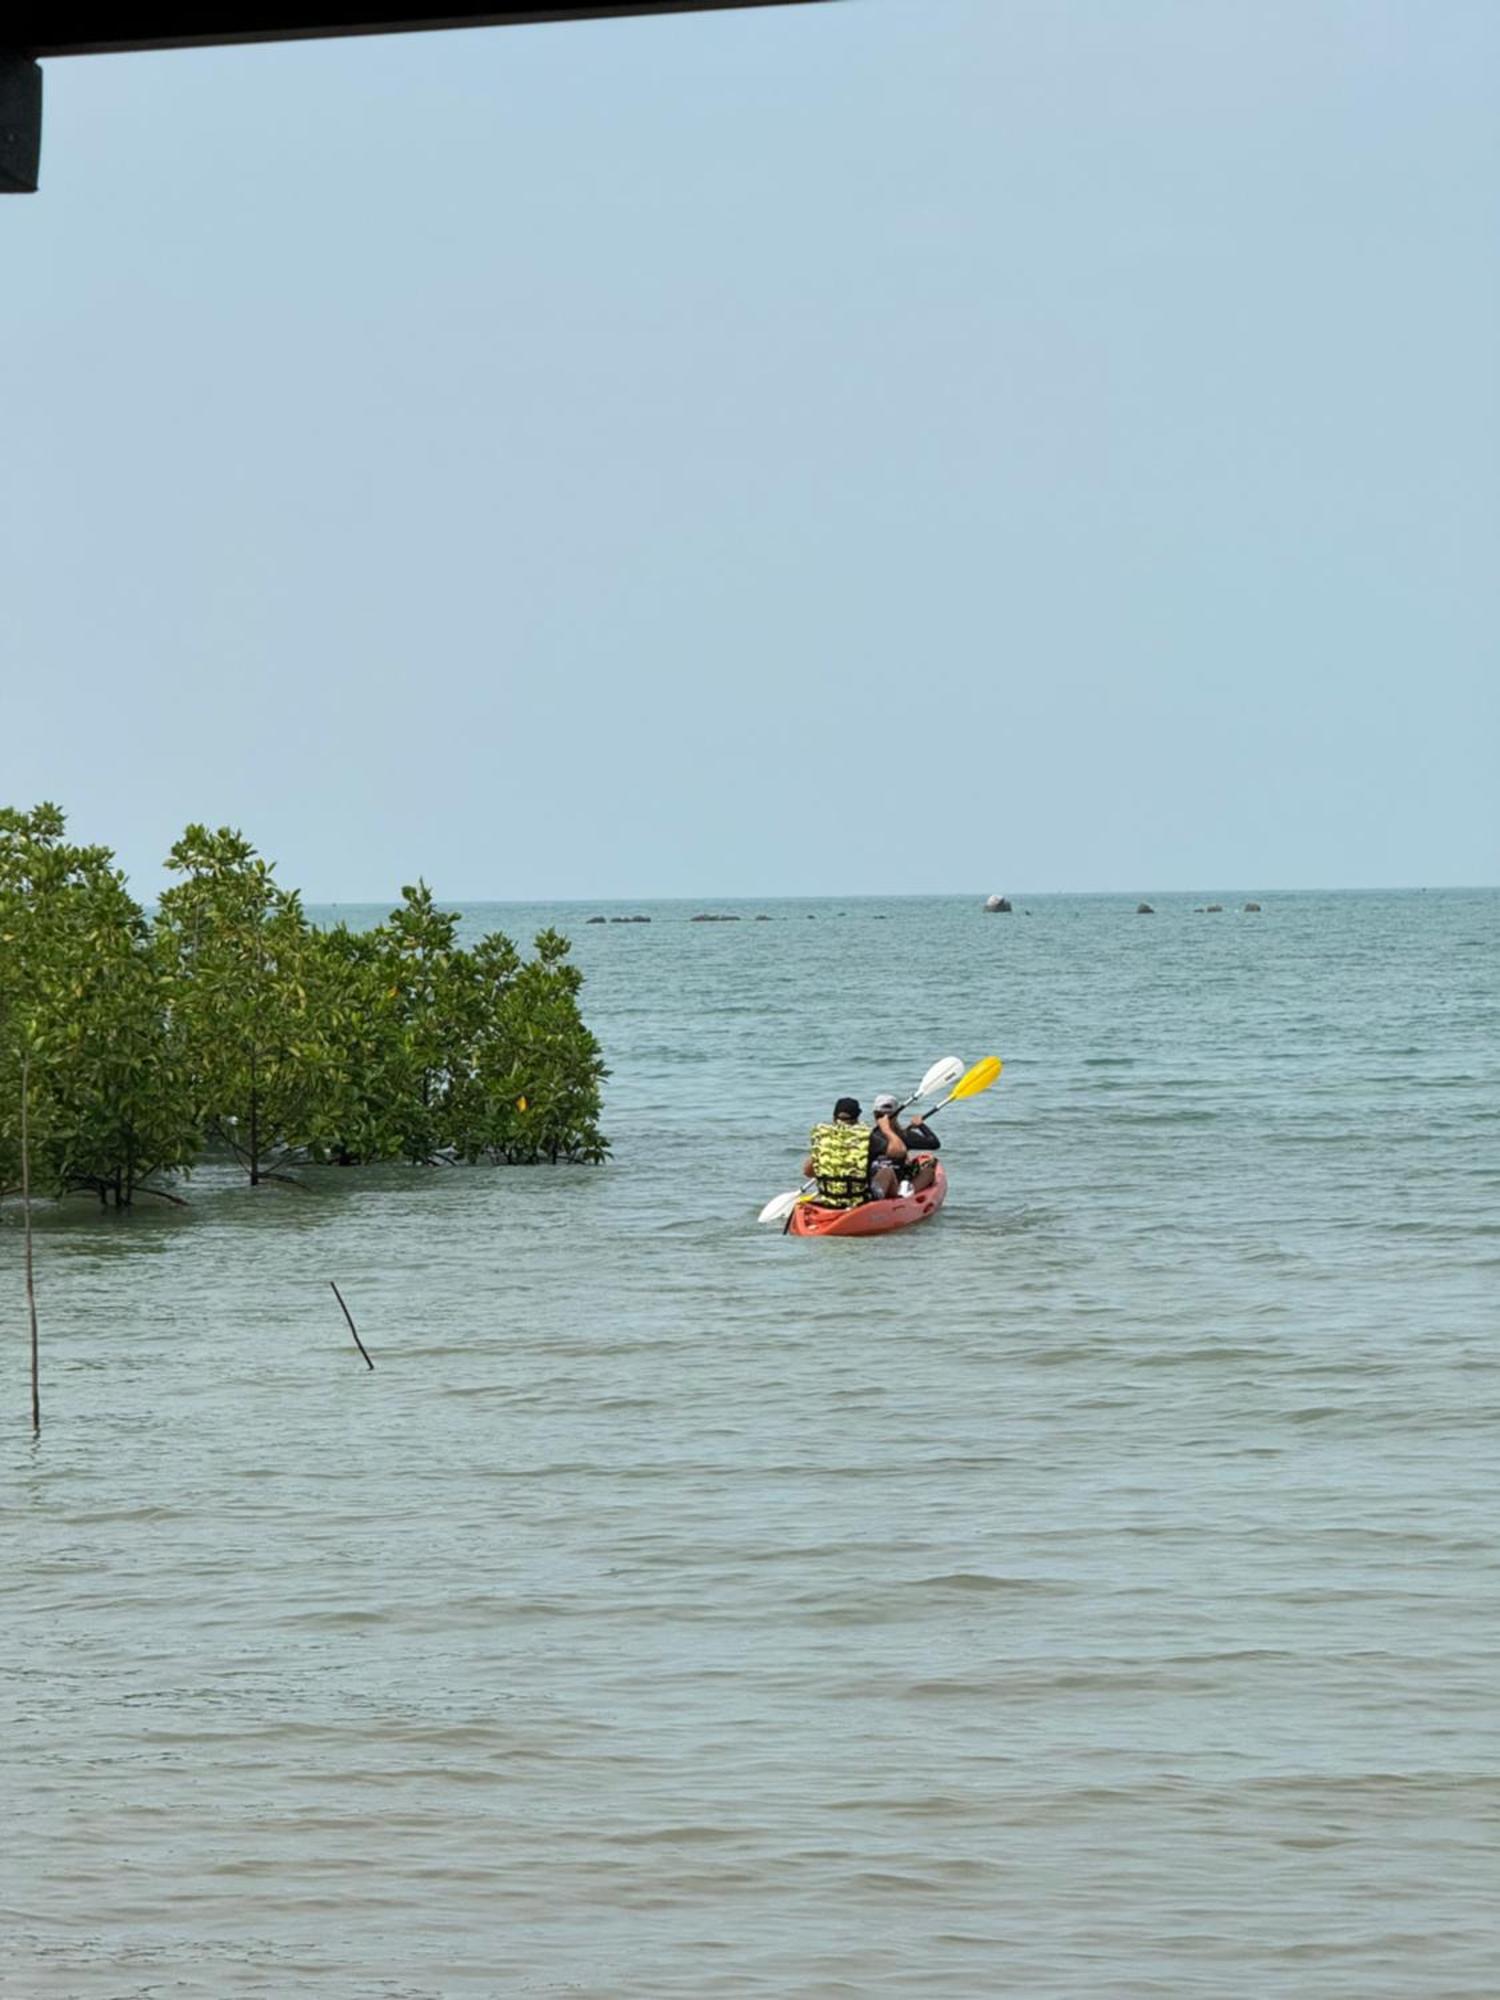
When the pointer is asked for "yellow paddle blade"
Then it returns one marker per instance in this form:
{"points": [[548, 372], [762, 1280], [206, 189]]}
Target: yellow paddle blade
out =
{"points": [[980, 1077]]}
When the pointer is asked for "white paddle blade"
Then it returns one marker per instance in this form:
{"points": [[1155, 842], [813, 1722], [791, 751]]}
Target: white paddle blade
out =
{"points": [[942, 1076], [780, 1206]]}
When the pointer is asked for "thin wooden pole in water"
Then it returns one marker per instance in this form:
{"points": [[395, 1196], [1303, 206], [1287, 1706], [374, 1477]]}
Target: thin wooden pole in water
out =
{"points": [[352, 1327], [36, 1378]]}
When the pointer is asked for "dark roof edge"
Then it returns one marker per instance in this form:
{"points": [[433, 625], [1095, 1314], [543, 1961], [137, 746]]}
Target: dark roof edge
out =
{"points": [[32, 38]]}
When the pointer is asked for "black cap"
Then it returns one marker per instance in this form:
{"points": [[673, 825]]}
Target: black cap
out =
{"points": [[847, 1107]]}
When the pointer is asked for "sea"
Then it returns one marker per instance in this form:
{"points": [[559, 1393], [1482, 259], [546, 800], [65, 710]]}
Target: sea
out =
{"points": [[1092, 1592]]}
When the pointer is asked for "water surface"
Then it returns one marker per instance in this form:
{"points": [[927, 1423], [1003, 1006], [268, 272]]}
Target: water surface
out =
{"points": [[1091, 1593]]}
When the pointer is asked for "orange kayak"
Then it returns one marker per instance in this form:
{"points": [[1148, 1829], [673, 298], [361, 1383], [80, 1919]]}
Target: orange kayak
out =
{"points": [[871, 1218]]}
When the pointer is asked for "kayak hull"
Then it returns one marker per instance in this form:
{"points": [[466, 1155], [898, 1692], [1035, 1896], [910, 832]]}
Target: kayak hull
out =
{"points": [[871, 1218]]}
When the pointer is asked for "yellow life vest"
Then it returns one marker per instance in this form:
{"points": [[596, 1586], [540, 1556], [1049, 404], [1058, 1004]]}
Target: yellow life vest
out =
{"points": [[841, 1162]]}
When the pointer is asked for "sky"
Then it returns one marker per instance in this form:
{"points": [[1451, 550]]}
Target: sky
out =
{"points": [[891, 447]]}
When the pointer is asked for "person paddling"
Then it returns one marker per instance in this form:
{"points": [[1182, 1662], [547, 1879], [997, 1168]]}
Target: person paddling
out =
{"points": [[839, 1159], [912, 1145]]}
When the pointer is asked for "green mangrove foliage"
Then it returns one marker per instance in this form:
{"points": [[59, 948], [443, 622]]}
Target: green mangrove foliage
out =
{"points": [[228, 1022], [82, 996]]}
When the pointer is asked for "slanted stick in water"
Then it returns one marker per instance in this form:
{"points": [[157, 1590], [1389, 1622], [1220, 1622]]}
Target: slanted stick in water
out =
{"points": [[352, 1327]]}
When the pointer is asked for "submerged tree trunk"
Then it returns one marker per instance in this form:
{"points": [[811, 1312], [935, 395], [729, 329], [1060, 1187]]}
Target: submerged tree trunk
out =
{"points": [[254, 1127], [36, 1391]]}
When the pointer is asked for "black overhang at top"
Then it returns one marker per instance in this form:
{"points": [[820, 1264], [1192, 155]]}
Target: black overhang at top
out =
{"points": [[35, 28]]}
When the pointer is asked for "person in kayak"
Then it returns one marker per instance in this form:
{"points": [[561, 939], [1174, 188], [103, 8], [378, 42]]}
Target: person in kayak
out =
{"points": [[917, 1143], [840, 1161]]}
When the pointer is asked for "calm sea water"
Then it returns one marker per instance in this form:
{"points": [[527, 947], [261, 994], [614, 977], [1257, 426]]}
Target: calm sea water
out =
{"points": [[1094, 1592]]}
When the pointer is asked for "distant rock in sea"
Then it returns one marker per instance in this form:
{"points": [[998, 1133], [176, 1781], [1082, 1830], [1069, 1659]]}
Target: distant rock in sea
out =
{"points": [[1252, 906], [596, 920], [714, 917], [1144, 910], [626, 920], [998, 906], [1213, 909]]}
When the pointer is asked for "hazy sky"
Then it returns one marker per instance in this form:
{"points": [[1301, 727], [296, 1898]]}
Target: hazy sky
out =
{"points": [[910, 444]]}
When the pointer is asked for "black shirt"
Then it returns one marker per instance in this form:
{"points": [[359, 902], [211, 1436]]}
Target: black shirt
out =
{"points": [[919, 1139]]}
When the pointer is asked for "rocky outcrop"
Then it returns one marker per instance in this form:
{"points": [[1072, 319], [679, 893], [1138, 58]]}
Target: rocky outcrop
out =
{"points": [[1252, 906], [1144, 910], [998, 906]]}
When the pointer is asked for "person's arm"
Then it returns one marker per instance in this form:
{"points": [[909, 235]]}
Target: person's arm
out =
{"points": [[895, 1145], [922, 1137], [807, 1168]]}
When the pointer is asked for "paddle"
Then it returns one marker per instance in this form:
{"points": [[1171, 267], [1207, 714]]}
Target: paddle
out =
{"points": [[948, 1070], [944, 1075], [970, 1084]]}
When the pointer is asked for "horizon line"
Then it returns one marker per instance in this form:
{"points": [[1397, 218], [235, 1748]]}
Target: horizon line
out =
{"points": [[914, 895]]}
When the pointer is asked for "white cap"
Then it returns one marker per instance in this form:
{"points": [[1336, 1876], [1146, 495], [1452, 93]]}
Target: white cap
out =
{"points": [[884, 1102]]}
